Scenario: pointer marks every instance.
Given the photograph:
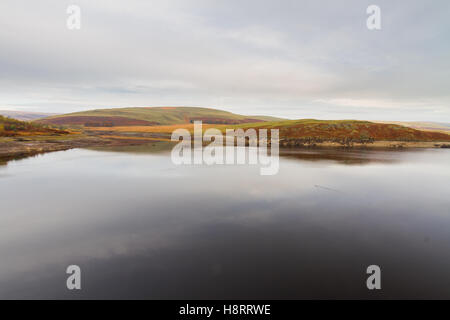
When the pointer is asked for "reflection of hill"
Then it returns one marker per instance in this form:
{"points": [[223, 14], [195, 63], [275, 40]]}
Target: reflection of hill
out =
{"points": [[349, 157]]}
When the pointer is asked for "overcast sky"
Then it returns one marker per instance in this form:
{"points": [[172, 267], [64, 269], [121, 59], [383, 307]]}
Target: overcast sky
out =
{"points": [[297, 59]]}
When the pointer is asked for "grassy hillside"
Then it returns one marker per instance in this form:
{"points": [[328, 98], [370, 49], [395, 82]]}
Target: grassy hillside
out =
{"points": [[163, 120], [346, 130], [151, 116], [12, 127], [300, 131]]}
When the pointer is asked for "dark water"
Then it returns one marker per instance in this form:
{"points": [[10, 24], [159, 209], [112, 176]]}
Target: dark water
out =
{"points": [[140, 227]]}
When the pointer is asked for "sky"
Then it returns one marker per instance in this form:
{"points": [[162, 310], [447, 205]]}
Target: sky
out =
{"points": [[293, 59]]}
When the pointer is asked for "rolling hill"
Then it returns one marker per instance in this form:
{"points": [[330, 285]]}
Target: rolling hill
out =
{"points": [[150, 116], [346, 131], [161, 121], [297, 132], [12, 127]]}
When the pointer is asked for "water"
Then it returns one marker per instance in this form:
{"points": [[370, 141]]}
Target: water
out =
{"points": [[141, 227]]}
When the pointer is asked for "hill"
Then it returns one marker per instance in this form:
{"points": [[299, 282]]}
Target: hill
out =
{"points": [[151, 116], [158, 122], [296, 132], [345, 131], [12, 127]]}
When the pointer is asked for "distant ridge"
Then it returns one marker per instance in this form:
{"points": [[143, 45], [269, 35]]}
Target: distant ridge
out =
{"points": [[141, 116], [422, 125], [25, 115]]}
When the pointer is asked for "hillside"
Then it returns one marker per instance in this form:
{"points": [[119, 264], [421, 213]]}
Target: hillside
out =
{"points": [[151, 116], [295, 132], [346, 131], [159, 122], [12, 127]]}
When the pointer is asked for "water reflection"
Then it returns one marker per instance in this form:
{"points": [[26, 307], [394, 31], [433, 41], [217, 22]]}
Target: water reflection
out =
{"points": [[344, 156], [140, 227]]}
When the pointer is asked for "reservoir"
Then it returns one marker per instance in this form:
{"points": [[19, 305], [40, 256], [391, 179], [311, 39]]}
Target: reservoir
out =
{"points": [[140, 227]]}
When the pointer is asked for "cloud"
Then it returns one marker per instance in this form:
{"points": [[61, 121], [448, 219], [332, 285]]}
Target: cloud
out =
{"points": [[288, 58]]}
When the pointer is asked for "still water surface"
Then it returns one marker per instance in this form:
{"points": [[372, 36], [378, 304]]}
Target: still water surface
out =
{"points": [[141, 227]]}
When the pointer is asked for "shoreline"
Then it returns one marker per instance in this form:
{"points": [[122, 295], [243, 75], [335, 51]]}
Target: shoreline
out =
{"points": [[375, 145], [22, 147]]}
